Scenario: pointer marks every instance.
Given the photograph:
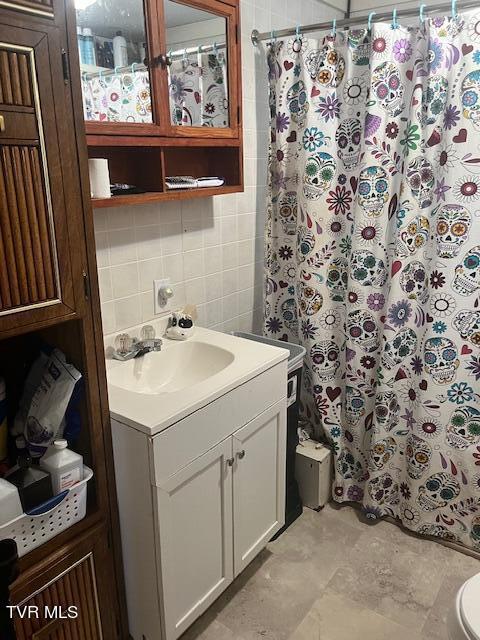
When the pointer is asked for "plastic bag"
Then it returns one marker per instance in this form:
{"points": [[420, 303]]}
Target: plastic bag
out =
{"points": [[49, 403]]}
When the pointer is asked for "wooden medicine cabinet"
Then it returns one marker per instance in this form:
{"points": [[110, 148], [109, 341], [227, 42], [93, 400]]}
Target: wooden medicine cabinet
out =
{"points": [[161, 93]]}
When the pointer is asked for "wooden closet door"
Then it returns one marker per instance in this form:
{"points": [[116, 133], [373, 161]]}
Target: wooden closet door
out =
{"points": [[35, 278], [71, 595]]}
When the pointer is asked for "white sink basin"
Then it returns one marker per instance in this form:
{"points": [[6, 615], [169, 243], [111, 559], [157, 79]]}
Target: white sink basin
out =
{"points": [[181, 366], [156, 390]]}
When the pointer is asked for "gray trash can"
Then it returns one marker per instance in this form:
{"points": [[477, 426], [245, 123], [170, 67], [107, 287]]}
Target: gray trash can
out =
{"points": [[293, 503]]}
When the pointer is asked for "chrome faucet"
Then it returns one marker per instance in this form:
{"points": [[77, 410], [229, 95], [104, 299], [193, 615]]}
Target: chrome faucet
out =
{"points": [[128, 347]]}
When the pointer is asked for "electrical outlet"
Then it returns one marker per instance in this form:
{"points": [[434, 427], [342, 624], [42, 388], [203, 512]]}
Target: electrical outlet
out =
{"points": [[162, 296]]}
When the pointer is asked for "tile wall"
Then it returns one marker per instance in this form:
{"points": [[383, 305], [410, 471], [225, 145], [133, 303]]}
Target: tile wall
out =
{"points": [[212, 248]]}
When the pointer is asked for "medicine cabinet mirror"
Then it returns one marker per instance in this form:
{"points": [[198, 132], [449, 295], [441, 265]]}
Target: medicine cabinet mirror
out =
{"points": [[112, 46], [197, 58]]}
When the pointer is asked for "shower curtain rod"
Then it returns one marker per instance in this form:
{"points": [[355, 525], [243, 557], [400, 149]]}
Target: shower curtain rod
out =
{"points": [[347, 22]]}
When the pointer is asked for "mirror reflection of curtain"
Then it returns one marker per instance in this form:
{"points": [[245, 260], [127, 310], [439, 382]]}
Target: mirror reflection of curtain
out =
{"points": [[198, 90], [122, 97]]}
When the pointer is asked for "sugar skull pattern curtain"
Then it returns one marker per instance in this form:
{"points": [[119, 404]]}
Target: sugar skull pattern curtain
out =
{"points": [[119, 97], [373, 261], [198, 90]]}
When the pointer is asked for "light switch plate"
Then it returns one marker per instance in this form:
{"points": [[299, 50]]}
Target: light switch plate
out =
{"points": [[161, 305]]}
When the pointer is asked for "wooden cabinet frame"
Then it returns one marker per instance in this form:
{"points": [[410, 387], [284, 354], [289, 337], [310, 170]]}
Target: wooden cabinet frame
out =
{"points": [[232, 16], [161, 126], [73, 325]]}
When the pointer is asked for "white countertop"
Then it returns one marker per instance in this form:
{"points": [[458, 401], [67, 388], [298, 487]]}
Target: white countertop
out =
{"points": [[152, 413]]}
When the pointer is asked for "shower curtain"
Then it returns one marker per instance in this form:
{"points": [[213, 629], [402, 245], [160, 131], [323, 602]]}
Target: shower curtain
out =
{"points": [[373, 260], [198, 90], [119, 97]]}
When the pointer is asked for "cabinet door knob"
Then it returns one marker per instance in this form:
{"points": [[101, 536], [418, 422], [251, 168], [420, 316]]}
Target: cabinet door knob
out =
{"points": [[2, 124], [241, 454], [163, 60], [230, 462]]}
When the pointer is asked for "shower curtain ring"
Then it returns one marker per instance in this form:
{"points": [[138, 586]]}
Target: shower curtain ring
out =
{"points": [[132, 68], [394, 19], [116, 71], [334, 28], [370, 18], [422, 13], [297, 32], [454, 9]]}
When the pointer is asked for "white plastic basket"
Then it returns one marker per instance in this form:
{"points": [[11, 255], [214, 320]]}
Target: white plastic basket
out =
{"points": [[44, 523]]}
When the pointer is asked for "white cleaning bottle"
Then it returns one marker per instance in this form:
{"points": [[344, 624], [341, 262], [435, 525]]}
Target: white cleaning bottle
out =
{"points": [[120, 53], [64, 466]]}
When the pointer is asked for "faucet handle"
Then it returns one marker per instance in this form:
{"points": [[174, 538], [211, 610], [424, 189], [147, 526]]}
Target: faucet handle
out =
{"points": [[147, 332], [123, 343]]}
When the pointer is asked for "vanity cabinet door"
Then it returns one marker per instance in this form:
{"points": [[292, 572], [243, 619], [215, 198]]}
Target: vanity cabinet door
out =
{"points": [[195, 530], [258, 483]]}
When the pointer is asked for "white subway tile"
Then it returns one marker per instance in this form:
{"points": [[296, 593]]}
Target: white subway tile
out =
{"points": [[105, 284], [147, 214], [195, 291], [171, 238], [213, 312], [173, 267], [246, 252], [229, 255], [213, 287], [193, 264], [148, 242], [246, 300], [100, 220], [213, 259], [102, 249], [230, 307], [229, 229], [125, 280], [229, 281], [120, 218], [108, 317], [170, 212], [128, 312], [146, 301], [122, 246], [192, 237], [148, 271]]}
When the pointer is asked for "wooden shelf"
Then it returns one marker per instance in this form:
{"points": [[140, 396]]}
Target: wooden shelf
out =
{"points": [[174, 194]]}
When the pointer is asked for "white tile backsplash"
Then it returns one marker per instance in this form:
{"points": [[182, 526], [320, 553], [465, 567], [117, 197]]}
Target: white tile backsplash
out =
{"points": [[210, 248]]}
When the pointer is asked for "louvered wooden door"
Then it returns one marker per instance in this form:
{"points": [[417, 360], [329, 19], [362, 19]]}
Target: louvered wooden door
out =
{"points": [[68, 607], [79, 582], [35, 273]]}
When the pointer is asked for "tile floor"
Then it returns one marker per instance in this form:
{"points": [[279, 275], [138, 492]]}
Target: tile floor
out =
{"points": [[331, 576]]}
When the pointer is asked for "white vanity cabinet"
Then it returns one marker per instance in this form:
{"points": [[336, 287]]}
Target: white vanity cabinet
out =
{"points": [[204, 496]]}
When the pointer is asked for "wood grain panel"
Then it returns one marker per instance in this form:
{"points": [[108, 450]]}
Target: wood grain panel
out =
{"points": [[26, 236], [76, 587], [15, 83], [40, 7]]}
